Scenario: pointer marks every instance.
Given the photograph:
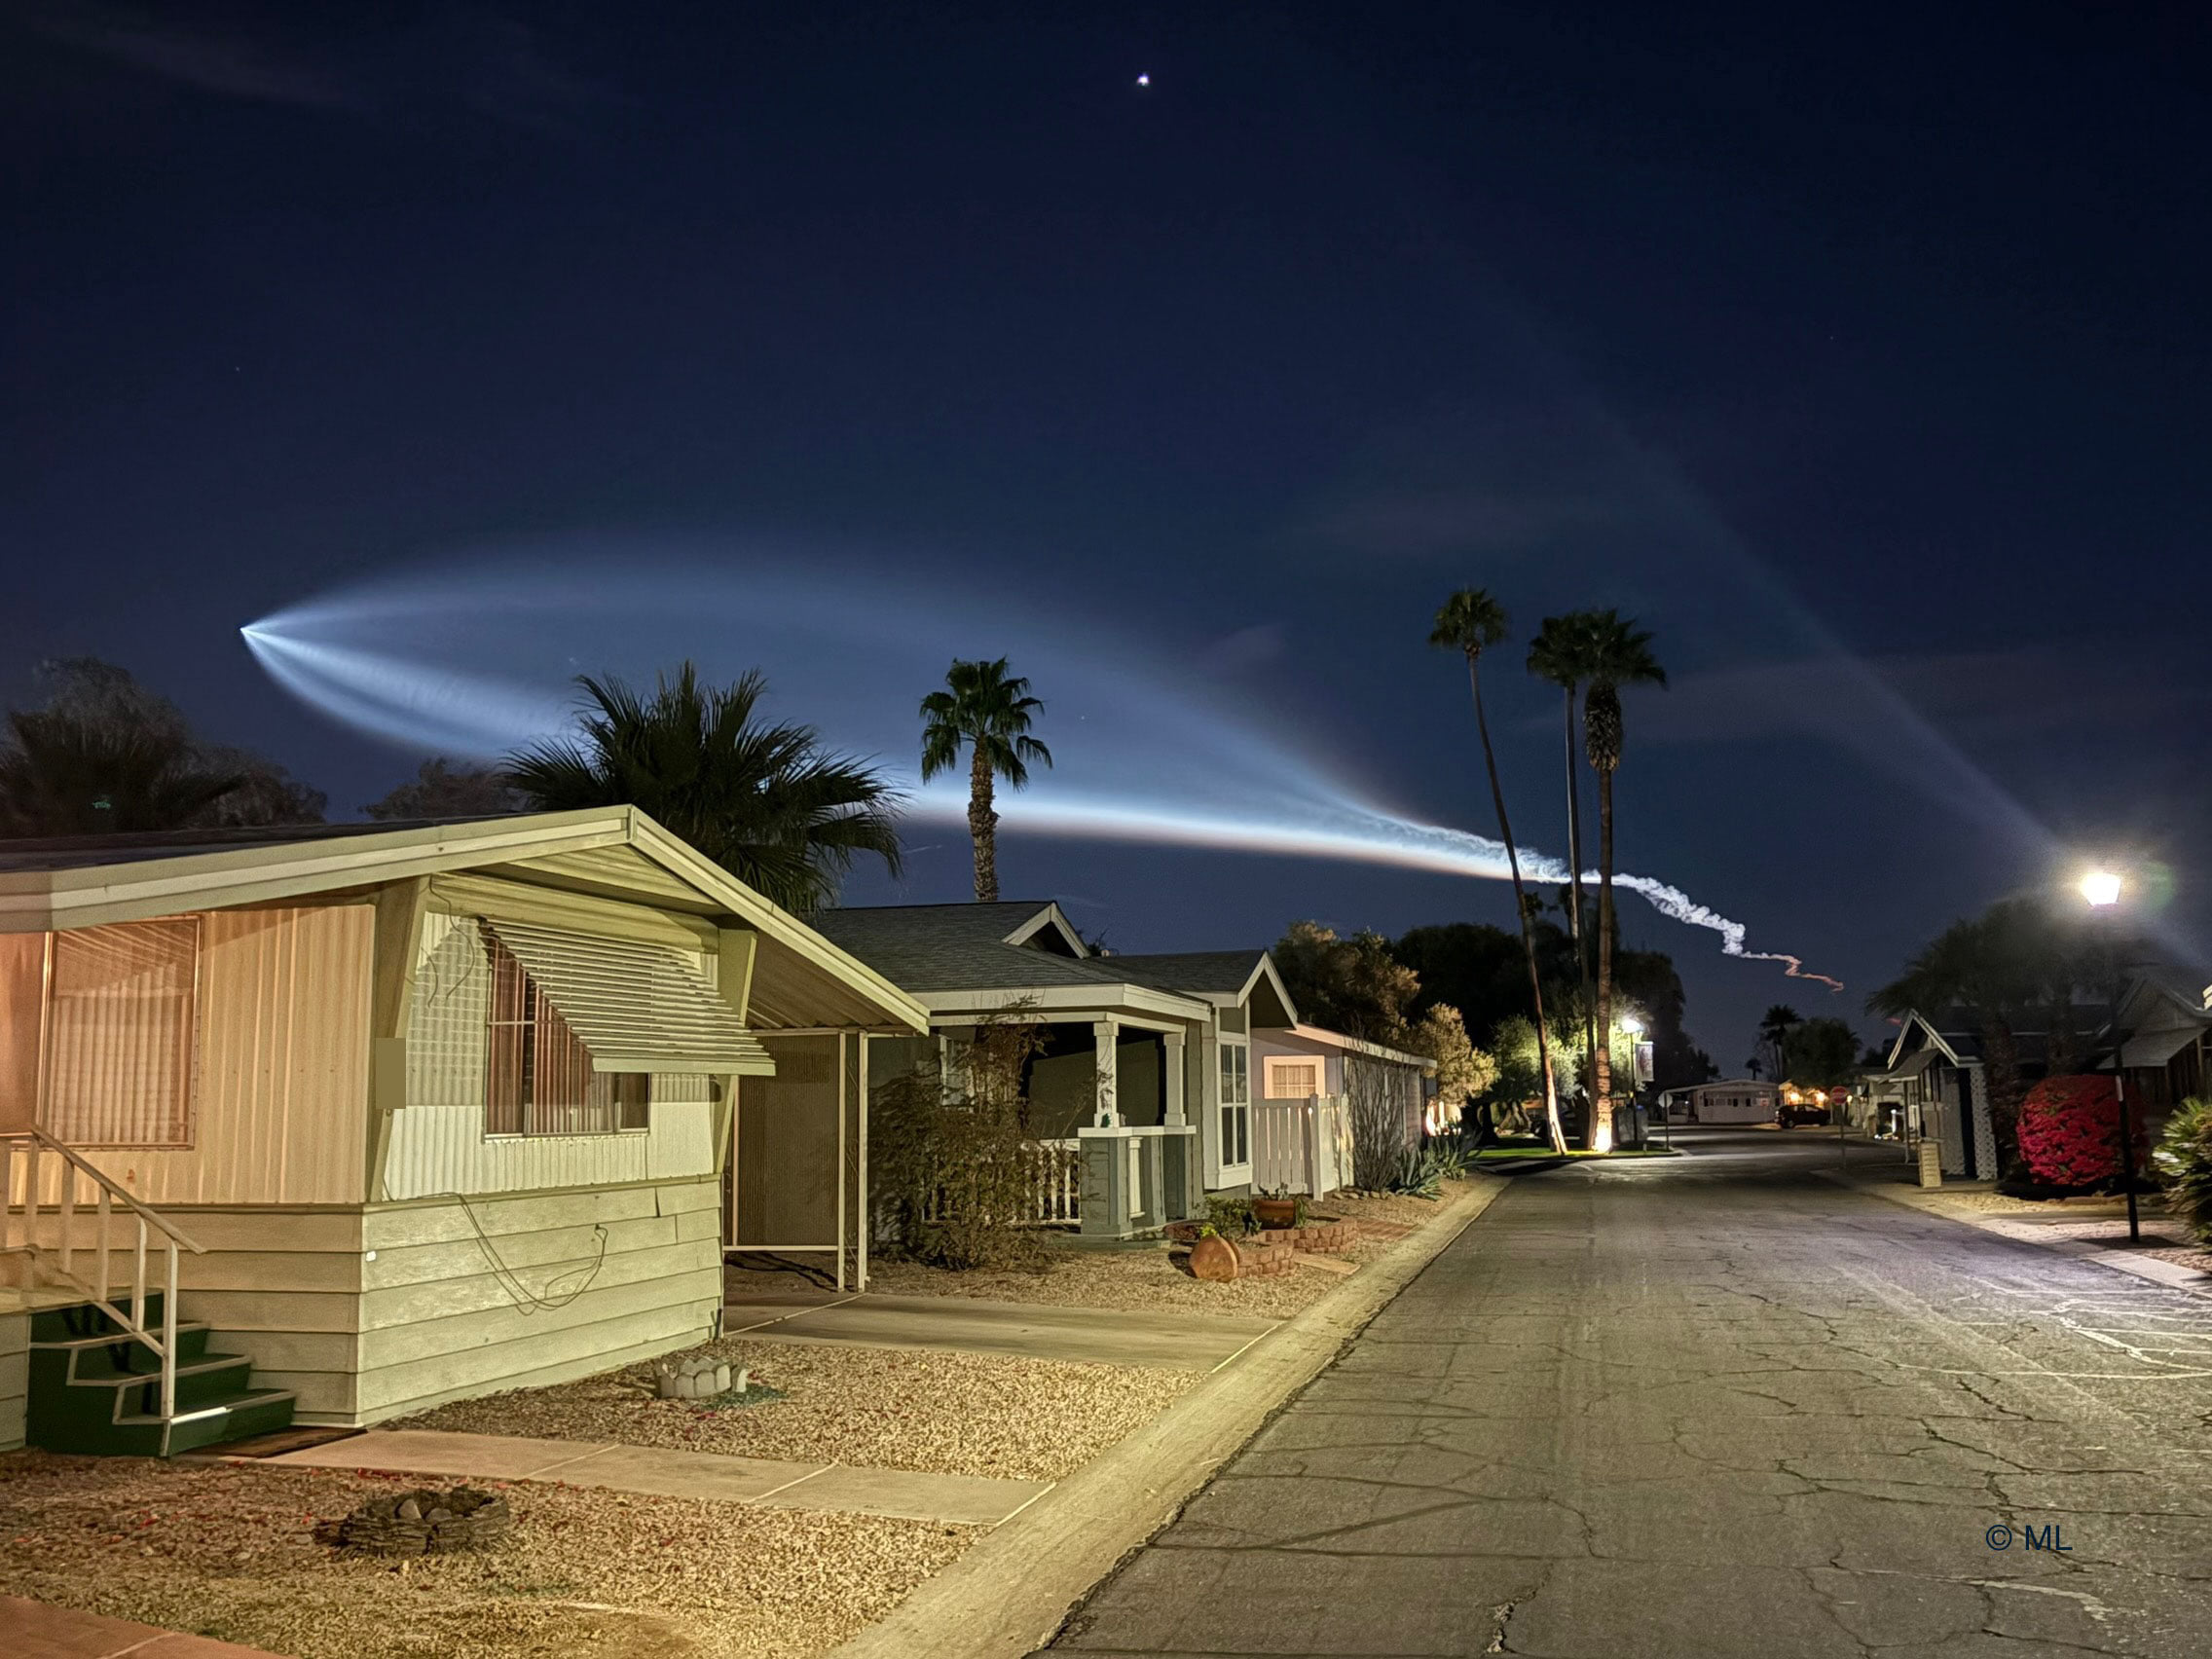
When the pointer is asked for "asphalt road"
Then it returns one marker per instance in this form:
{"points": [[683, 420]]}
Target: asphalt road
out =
{"points": [[1714, 1405]]}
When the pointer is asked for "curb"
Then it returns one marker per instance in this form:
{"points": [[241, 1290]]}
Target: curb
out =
{"points": [[2166, 1274], [1010, 1595]]}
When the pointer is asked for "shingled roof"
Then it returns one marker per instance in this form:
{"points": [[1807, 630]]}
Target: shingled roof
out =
{"points": [[959, 947]]}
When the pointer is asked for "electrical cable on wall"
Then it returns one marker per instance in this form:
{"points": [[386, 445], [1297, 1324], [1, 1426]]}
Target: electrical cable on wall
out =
{"points": [[550, 1298]]}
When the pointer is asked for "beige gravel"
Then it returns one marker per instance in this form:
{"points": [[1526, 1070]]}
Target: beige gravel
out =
{"points": [[931, 1409], [1149, 1276], [227, 1550]]}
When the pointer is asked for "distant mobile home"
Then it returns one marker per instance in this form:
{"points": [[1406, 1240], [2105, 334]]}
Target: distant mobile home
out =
{"points": [[1745, 1101]]}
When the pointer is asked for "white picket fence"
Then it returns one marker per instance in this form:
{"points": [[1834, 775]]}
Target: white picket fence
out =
{"points": [[1303, 1145]]}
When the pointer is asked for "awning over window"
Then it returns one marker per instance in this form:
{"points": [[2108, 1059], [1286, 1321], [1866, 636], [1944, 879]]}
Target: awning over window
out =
{"points": [[638, 1007], [1912, 1065], [2156, 1047]]}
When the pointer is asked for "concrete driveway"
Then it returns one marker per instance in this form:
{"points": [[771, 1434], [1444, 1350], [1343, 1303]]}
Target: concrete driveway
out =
{"points": [[1712, 1406]]}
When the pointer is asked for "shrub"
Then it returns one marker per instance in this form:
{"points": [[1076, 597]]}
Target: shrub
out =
{"points": [[2184, 1159], [2069, 1132], [954, 1169], [1232, 1218]]}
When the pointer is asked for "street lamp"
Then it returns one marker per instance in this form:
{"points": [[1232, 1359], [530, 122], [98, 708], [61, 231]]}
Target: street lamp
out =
{"points": [[1634, 1027], [2103, 889]]}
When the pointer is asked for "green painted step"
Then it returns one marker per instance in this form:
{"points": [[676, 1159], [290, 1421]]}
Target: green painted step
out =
{"points": [[94, 1389]]}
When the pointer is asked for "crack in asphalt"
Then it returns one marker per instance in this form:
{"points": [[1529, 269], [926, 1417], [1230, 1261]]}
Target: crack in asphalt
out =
{"points": [[1720, 1409]]}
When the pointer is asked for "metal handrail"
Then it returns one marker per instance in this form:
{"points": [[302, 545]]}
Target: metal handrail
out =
{"points": [[106, 1183], [134, 1322]]}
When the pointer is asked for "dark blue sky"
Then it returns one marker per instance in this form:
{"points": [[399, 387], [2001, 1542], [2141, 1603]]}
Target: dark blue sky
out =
{"points": [[1862, 355]]}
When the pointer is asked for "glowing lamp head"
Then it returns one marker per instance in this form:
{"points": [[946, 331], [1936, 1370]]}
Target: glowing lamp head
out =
{"points": [[2101, 888], [1632, 1026]]}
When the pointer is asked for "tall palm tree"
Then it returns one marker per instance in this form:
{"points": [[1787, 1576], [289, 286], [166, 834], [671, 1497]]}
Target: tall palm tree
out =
{"points": [[990, 711], [1620, 654], [766, 802], [1562, 653], [1774, 1031], [1470, 622]]}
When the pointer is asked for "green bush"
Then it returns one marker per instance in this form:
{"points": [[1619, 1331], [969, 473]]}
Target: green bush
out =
{"points": [[2184, 1159], [1232, 1218], [952, 1165]]}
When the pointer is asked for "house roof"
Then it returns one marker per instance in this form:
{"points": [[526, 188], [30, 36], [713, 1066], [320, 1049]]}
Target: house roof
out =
{"points": [[965, 947], [1360, 1045], [1229, 976], [800, 978]]}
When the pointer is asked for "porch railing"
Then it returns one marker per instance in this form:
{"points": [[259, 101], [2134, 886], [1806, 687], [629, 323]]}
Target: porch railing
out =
{"points": [[1051, 1180], [88, 1211]]}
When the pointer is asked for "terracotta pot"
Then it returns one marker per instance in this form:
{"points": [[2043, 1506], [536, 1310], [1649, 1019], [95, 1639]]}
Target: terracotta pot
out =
{"points": [[1213, 1259], [1275, 1212]]}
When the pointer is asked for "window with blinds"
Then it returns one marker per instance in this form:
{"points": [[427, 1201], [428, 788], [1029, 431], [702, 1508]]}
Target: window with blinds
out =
{"points": [[539, 1077], [120, 1040], [1292, 1080]]}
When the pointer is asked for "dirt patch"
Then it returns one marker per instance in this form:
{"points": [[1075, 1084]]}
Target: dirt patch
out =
{"points": [[229, 1550], [928, 1410]]}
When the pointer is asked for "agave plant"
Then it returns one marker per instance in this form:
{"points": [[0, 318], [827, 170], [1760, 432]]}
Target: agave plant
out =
{"points": [[2183, 1156]]}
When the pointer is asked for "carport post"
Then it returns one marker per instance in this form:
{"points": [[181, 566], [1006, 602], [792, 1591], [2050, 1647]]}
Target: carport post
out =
{"points": [[861, 1252], [840, 1163]]}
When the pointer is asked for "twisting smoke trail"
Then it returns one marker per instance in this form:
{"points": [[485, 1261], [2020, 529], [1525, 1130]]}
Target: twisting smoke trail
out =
{"points": [[466, 662]]}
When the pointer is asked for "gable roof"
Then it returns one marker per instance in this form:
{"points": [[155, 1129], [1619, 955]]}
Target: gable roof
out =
{"points": [[1227, 976], [800, 978], [967, 947]]}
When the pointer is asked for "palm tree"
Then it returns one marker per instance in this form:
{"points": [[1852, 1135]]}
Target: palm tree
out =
{"points": [[989, 711], [1561, 653], [1620, 654], [766, 802], [1773, 1028], [2014, 962], [73, 773], [1470, 622]]}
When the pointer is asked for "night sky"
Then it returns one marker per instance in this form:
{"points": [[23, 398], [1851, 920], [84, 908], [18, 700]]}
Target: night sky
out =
{"points": [[1863, 354]]}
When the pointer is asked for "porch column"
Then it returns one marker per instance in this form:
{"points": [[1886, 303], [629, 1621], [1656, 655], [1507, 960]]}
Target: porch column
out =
{"points": [[1105, 1035], [1171, 1079]]}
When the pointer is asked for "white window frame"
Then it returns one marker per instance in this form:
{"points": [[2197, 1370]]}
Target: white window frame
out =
{"points": [[1274, 1065], [1233, 1132]]}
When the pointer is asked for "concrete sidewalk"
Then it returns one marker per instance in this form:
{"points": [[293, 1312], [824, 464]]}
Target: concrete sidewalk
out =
{"points": [[765, 1483], [1174, 1342], [39, 1630], [2042, 1230]]}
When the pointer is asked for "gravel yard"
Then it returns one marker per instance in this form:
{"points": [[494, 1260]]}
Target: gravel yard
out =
{"points": [[227, 1550], [930, 1409], [1150, 1277]]}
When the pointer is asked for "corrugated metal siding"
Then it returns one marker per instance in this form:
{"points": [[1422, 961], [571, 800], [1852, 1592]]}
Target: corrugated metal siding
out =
{"points": [[438, 1144], [278, 1111]]}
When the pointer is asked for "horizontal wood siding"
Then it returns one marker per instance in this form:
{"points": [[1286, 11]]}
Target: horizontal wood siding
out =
{"points": [[511, 1291], [282, 1057], [438, 1139]]}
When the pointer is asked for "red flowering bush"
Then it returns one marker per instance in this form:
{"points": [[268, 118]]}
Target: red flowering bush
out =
{"points": [[2070, 1132]]}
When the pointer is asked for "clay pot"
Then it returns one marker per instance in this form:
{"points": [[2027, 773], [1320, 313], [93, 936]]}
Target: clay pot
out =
{"points": [[1213, 1259], [1275, 1212]]}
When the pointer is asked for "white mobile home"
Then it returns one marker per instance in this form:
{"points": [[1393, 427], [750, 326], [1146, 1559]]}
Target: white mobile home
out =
{"points": [[410, 1113]]}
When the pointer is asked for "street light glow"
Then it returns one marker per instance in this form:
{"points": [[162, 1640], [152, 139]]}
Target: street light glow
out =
{"points": [[1632, 1026], [2101, 888]]}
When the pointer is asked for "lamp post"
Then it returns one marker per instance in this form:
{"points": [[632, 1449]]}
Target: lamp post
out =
{"points": [[1635, 1029], [2102, 889]]}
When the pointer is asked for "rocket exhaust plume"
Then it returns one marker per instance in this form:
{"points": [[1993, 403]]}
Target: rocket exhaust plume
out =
{"points": [[476, 658]]}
